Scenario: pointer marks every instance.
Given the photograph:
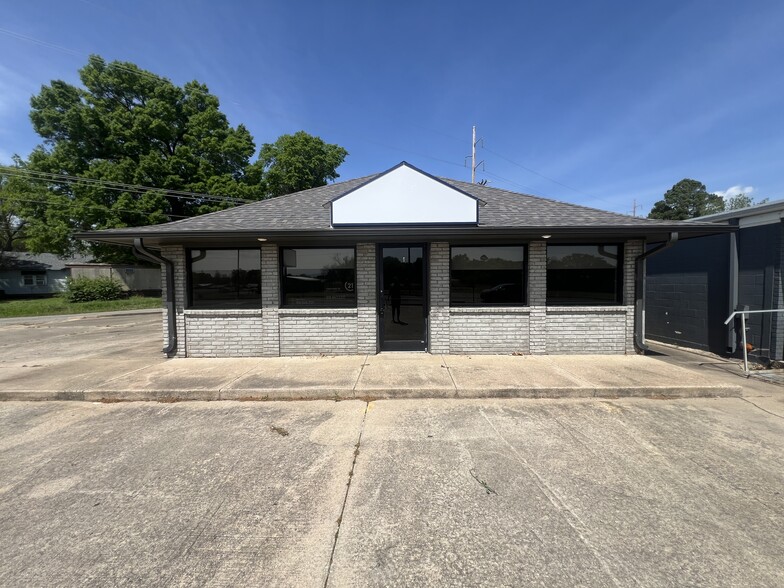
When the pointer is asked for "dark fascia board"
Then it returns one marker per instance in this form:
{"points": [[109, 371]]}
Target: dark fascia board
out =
{"points": [[422, 233], [408, 165]]}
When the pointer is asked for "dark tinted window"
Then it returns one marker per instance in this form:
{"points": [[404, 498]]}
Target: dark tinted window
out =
{"points": [[322, 277], [225, 278], [487, 275], [583, 274]]}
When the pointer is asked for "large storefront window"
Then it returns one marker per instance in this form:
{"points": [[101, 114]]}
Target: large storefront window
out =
{"points": [[225, 278], [321, 277], [583, 274], [487, 275]]}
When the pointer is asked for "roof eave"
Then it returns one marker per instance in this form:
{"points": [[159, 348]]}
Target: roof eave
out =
{"points": [[423, 233]]}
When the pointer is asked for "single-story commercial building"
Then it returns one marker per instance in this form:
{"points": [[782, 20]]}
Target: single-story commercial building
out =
{"points": [[402, 260], [693, 288]]}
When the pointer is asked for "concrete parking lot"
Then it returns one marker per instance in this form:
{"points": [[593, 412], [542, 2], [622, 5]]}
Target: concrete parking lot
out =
{"points": [[393, 493], [416, 492]]}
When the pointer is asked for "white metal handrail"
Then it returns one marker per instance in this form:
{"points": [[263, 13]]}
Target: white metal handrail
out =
{"points": [[743, 314]]}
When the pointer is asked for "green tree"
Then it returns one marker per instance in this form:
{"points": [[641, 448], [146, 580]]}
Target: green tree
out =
{"points": [[741, 201], [687, 199], [298, 162], [16, 195], [130, 126]]}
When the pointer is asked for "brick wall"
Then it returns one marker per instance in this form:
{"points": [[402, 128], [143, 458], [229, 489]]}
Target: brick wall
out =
{"points": [[438, 321], [311, 331], [367, 291], [224, 333], [488, 330], [176, 254], [270, 300], [587, 329], [537, 296]]}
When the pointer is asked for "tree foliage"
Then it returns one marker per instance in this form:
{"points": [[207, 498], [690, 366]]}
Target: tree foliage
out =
{"points": [[687, 199], [130, 126], [741, 201], [298, 162]]}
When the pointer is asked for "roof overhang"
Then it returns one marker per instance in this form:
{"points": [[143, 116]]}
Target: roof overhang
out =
{"points": [[462, 234]]}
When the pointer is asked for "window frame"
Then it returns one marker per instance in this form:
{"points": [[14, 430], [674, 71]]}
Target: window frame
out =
{"points": [[525, 301], [37, 279], [618, 269], [189, 278], [282, 276]]}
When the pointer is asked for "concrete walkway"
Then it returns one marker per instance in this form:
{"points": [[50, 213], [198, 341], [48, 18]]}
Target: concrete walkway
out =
{"points": [[394, 375], [117, 357]]}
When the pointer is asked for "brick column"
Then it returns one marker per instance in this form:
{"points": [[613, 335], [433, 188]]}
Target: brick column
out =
{"points": [[537, 297], [439, 297], [367, 292], [176, 254], [631, 250], [270, 300]]}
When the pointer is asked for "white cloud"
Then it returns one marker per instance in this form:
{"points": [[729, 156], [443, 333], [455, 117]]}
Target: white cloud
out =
{"points": [[735, 191]]}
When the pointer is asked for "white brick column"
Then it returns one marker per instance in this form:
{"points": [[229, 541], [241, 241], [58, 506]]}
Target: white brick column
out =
{"points": [[537, 297], [367, 292], [270, 300], [176, 254], [439, 298], [631, 250]]}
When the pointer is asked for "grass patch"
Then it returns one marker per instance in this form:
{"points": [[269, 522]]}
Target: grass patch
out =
{"points": [[58, 305]]}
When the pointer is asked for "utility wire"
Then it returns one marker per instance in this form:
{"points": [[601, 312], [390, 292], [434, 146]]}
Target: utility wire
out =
{"points": [[118, 186], [279, 115], [91, 205]]}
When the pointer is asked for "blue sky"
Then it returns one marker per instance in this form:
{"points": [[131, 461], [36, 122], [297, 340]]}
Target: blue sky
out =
{"points": [[599, 103]]}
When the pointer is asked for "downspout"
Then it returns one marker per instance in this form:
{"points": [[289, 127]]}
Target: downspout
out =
{"points": [[140, 251], [639, 290]]}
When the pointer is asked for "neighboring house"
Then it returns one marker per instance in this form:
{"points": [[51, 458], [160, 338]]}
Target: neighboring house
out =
{"points": [[134, 278], [695, 286], [28, 274], [401, 261]]}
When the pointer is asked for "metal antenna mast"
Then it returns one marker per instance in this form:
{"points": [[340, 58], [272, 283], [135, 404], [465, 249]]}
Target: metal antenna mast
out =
{"points": [[474, 164]]}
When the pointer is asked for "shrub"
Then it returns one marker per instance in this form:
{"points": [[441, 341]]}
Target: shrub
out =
{"points": [[84, 289]]}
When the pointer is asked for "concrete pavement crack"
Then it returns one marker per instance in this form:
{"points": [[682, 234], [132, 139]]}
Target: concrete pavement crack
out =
{"points": [[359, 375], [570, 517], [345, 497], [762, 409], [449, 371]]}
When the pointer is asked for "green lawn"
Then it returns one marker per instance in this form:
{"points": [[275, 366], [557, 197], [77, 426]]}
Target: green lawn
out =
{"points": [[57, 305]]}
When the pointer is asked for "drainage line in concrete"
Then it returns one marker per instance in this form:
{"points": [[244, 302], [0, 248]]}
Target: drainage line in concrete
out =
{"points": [[345, 497]]}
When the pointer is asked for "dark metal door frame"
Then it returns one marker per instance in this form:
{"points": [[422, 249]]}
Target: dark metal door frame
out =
{"points": [[380, 294]]}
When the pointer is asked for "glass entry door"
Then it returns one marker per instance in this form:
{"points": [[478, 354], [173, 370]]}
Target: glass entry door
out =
{"points": [[402, 299]]}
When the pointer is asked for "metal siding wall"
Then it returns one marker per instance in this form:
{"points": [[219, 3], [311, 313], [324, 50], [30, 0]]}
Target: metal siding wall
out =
{"points": [[687, 294]]}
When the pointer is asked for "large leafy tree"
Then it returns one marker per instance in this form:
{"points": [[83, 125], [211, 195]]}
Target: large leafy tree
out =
{"points": [[131, 127], [687, 199], [298, 162]]}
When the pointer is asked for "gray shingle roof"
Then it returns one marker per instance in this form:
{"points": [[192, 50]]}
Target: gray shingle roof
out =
{"points": [[21, 260], [308, 212]]}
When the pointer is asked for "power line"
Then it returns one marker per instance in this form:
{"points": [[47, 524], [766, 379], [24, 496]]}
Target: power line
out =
{"points": [[117, 186], [94, 205]]}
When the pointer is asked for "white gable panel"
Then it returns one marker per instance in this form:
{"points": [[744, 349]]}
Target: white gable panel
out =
{"points": [[404, 196]]}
